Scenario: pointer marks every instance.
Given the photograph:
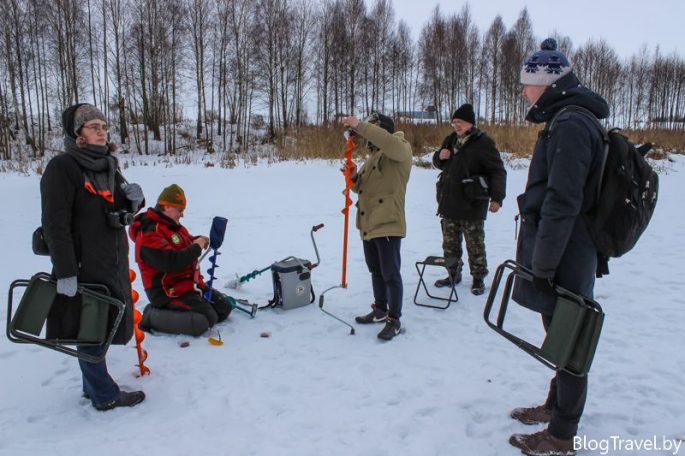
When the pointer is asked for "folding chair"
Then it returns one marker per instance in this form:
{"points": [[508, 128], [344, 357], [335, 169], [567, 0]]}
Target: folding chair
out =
{"points": [[573, 335], [440, 262], [26, 325]]}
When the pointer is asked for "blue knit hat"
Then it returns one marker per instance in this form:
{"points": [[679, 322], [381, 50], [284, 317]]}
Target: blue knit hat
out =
{"points": [[545, 66]]}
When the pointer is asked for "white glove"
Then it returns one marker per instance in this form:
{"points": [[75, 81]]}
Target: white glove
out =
{"points": [[67, 286], [134, 193]]}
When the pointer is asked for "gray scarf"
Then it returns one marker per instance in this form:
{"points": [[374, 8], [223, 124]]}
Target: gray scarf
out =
{"points": [[98, 163]]}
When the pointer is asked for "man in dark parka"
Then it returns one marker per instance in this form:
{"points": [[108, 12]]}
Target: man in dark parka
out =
{"points": [[467, 154], [83, 195], [554, 241]]}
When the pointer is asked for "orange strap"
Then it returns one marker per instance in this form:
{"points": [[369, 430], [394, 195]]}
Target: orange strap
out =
{"points": [[348, 203], [106, 194]]}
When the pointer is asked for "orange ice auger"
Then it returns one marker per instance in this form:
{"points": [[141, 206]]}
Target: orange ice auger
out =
{"points": [[348, 203], [140, 335], [346, 212]]}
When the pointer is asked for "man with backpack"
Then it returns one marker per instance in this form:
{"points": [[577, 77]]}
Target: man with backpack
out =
{"points": [[554, 240]]}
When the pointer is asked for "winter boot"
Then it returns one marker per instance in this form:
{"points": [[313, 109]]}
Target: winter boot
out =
{"points": [[542, 444], [125, 399], [391, 329], [375, 316], [449, 281], [532, 415], [477, 287]]}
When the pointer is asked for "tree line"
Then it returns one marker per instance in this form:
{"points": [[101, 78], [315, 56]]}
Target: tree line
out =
{"points": [[277, 65]]}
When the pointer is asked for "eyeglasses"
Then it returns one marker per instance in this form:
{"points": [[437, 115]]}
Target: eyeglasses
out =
{"points": [[97, 127]]}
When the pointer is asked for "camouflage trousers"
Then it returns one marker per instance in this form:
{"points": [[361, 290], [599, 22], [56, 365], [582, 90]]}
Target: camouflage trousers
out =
{"points": [[474, 232]]}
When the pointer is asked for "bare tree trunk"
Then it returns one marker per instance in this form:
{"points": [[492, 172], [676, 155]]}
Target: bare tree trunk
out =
{"points": [[198, 25], [104, 91], [37, 79], [18, 30], [90, 55]]}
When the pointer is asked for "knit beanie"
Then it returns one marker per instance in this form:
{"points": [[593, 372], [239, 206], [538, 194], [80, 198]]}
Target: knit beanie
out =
{"points": [[545, 66], [465, 112], [68, 120], [84, 113], [385, 122], [172, 196]]}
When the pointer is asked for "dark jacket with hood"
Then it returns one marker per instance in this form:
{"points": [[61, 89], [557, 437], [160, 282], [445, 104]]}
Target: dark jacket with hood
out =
{"points": [[82, 243], [166, 256], [476, 156], [562, 185]]}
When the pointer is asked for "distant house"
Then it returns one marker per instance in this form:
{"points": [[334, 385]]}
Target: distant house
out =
{"points": [[428, 116]]}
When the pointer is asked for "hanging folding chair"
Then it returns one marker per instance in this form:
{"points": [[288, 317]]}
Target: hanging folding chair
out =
{"points": [[573, 335], [27, 323]]}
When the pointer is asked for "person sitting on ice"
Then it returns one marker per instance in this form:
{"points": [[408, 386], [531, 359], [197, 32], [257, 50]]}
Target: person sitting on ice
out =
{"points": [[167, 256]]}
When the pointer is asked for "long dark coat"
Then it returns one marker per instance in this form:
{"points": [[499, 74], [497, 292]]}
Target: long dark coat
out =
{"points": [[83, 244], [477, 156], [562, 185]]}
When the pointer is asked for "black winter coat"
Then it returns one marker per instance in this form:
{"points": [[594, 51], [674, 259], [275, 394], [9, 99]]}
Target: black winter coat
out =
{"points": [[562, 185], [82, 244], [477, 156]]}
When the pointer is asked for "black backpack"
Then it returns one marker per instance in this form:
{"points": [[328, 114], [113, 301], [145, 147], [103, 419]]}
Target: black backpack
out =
{"points": [[626, 195]]}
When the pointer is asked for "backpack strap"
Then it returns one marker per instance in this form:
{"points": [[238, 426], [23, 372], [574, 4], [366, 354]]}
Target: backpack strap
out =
{"points": [[547, 131], [579, 109], [602, 266], [602, 261]]}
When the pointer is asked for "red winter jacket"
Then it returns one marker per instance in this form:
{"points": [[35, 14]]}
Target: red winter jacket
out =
{"points": [[166, 257]]}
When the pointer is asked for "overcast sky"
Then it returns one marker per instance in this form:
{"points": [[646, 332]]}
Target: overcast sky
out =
{"points": [[624, 24]]}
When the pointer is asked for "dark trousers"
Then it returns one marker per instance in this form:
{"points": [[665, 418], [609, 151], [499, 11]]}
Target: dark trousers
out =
{"points": [[383, 259], [217, 309], [566, 399], [97, 384]]}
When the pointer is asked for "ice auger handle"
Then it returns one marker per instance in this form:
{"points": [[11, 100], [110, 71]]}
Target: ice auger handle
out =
{"points": [[315, 228]]}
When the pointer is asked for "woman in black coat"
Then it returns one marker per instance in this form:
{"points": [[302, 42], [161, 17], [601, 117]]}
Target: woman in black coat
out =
{"points": [[85, 201]]}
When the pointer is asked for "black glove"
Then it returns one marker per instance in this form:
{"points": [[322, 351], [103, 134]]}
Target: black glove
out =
{"points": [[543, 284]]}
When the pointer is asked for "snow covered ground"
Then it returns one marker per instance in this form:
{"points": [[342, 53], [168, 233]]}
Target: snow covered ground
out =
{"points": [[444, 387]]}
